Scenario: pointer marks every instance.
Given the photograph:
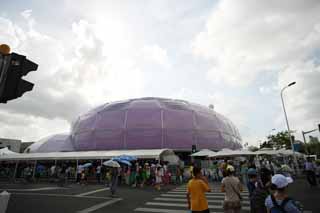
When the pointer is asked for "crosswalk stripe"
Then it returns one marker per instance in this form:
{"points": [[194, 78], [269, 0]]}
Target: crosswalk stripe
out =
{"points": [[208, 193], [185, 205], [216, 191], [208, 196], [185, 200], [159, 210]]}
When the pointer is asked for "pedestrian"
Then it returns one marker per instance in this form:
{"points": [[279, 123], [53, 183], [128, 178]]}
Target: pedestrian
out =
{"points": [[197, 187], [261, 192], [232, 187], [310, 170], [114, 181], [243, 172], [79, 171], [251, 185], [159, 174], [83, 177], [279, 201], [98, 173]]}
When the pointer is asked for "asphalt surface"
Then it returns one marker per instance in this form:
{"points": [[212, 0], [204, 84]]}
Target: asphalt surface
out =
{"points": [[49, 198]]}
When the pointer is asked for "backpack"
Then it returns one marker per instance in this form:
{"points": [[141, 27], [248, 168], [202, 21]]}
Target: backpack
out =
{"points": [[281, 208], [258, 197]]}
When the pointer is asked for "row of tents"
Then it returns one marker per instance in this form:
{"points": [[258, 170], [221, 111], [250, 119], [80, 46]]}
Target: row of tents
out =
{"points": [[244, 152]]}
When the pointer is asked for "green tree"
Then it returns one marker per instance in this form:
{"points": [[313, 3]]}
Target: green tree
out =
{"points": [[312, 147], [279, 140]]}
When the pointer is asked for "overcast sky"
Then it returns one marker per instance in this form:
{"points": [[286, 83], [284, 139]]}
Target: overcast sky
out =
{"points": [[236, 55]]}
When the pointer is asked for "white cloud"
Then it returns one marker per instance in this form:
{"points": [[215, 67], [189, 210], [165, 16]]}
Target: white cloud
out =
{"points": [[73, 75], [245, 39]]}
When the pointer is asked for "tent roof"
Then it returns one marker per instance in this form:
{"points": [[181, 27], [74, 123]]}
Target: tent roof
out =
{"points": [[203, 153], [5, 151], [141, 154]]}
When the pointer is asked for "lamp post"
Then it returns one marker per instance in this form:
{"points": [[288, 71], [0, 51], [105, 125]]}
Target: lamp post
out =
{"points": [[289, 131]]}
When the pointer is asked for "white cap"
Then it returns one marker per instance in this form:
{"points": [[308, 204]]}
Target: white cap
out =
{"points": [[281, 181]]}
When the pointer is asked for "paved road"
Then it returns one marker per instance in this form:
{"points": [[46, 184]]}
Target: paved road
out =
{"points": [[48, 198]]}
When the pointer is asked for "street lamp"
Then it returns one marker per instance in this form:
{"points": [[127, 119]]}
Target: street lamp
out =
{"points": [[289, 132]]}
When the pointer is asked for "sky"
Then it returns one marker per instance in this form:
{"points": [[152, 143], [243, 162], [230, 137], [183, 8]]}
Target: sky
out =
{"points": [[236, 55]]}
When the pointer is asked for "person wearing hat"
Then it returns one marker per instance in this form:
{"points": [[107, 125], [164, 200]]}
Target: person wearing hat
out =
{"points": [[279, 201], [232, 187]]}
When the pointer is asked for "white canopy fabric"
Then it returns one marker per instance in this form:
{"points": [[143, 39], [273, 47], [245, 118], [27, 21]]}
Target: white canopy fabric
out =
{"points": [[140, 154], [288, 152], [5, 152], [222, 153], [203, 153], [243, 152]]}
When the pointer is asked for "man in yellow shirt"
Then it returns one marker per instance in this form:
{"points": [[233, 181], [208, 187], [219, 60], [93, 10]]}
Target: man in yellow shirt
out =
{"points": [[197, 187]]}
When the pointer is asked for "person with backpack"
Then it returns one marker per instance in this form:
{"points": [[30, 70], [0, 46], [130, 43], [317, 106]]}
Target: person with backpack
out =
{"points": [[261, 192], [279, 201]]}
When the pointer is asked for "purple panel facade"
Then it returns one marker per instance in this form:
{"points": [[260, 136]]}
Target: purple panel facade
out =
{"points": [[206, 122], [84, 141], [150, 123], [109, 139], [115, 120], [209, 139], [146, 138], [178, 119], [179, 139], [144, 118]]}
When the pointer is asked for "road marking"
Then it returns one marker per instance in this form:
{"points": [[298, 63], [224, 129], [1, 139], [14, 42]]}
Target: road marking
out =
{"points": [[34, 190], [93, 192], [212, 191], [159, 210], [207, 196], [60, 195], [208, 193], [185, 200], [185, 205], [100, 205]]}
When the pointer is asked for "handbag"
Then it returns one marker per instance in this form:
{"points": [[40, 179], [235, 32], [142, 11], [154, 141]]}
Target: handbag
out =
{"points": [[238, 194]]}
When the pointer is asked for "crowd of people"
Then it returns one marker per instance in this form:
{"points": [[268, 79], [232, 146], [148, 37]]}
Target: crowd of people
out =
{"points": [[266, 180], [267, 185]]}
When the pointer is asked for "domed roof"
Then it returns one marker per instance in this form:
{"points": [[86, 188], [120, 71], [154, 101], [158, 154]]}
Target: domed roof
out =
{"points": [[52, 143], [153, 123]]}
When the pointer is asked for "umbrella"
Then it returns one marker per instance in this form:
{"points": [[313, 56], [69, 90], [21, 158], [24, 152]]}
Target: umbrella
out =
{"points": [[111, 163], [87, 165], [125, 157]]}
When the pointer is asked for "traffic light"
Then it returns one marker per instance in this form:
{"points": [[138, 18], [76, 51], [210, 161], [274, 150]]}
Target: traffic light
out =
{"points": [[319, 127], [12, 68]]}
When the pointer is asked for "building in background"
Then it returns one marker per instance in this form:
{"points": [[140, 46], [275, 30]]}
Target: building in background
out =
{"points": [[12, 144], [145, 123]]}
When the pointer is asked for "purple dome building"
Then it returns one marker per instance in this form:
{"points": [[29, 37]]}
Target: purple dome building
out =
{"points": [[153, 123]]}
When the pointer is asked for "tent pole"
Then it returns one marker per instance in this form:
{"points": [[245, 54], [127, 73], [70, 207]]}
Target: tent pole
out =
{"points": [[15, 170], [34, 169], [76, 173], [100, 170]]}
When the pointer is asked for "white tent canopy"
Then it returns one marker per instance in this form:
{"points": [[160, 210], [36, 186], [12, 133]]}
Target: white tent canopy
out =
{"points": [[140, 154], [222, 153], [203, 153], [5, 152]]}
